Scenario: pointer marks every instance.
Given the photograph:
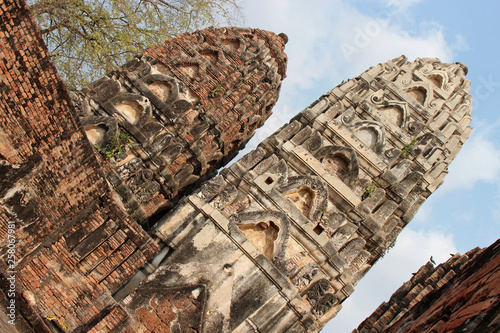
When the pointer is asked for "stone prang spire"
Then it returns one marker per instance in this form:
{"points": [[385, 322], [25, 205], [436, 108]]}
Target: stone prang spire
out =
{"points": [[278, 240]]}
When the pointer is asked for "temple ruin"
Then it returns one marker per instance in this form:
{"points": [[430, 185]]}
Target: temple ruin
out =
{"points": [[115, 230], [286, 232], [459, 295]]}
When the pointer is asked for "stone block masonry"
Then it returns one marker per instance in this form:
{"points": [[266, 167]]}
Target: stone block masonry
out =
{"points": [[281, 237]]}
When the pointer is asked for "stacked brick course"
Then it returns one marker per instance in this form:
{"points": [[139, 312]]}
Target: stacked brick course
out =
{"points": [[460, 295], [74, 245]]}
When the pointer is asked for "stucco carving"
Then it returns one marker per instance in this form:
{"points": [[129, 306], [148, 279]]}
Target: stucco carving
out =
{"points": [[276, 243], [309, 194]]}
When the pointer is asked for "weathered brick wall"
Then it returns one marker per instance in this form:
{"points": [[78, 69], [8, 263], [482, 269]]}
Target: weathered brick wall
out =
{"points": [[460, 295], [74, 245], [44, 148]]}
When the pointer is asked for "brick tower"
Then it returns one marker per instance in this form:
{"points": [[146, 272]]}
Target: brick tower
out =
{"points": [[172, 116]]}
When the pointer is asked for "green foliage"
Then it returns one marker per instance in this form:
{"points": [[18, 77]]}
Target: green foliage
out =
{"points": [[87, 38], [369, 191], [116, 145], [216, 91], [244, 79], [408, 148]]}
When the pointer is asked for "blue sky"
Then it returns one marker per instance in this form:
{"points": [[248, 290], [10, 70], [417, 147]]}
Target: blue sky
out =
{"points": [[330, 41]]}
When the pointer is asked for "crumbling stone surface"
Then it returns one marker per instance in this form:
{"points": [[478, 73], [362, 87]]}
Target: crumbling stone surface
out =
{"points": [[460, 295], [184, 108], [322, 199]]}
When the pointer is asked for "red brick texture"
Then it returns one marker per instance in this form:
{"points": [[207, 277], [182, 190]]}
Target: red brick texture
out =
{"points": [[460, 295], [218, 87], [74, 245]]}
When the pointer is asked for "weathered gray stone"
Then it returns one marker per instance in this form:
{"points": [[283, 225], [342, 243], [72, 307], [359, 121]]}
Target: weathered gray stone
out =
{"points": [[318, 203]]}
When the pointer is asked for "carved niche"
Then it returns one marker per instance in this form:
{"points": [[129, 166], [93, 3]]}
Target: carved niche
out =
{"points": [[308, 194], [340, 161], [269, 231]]}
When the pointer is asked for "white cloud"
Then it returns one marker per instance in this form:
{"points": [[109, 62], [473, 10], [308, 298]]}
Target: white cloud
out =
{"points": [[478, 161], [413, 249], [364, 40], [495, 211], [401, 5]]}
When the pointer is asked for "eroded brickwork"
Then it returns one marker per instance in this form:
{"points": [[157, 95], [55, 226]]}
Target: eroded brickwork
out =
{"points": [[172, 116], [460, 295], [74, 246], [37, 138], [289, 230]]}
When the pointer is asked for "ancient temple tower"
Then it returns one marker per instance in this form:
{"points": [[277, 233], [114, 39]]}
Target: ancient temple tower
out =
{"points": [[277, 241], [157, 125], [183, 109]]}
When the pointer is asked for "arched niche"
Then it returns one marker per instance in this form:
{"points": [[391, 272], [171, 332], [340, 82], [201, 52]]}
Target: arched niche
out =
{"points": [[419, 93], [368, 136], [396, 114], [437, 80], [163, 86], [132, 111], [263, 234], [95, 134], [308, 194], [134, 108], [371, 133], [269, 231], [336, 164], [100, 130], [336, 156], [166, 88], [161, 89], [303, 199]]}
